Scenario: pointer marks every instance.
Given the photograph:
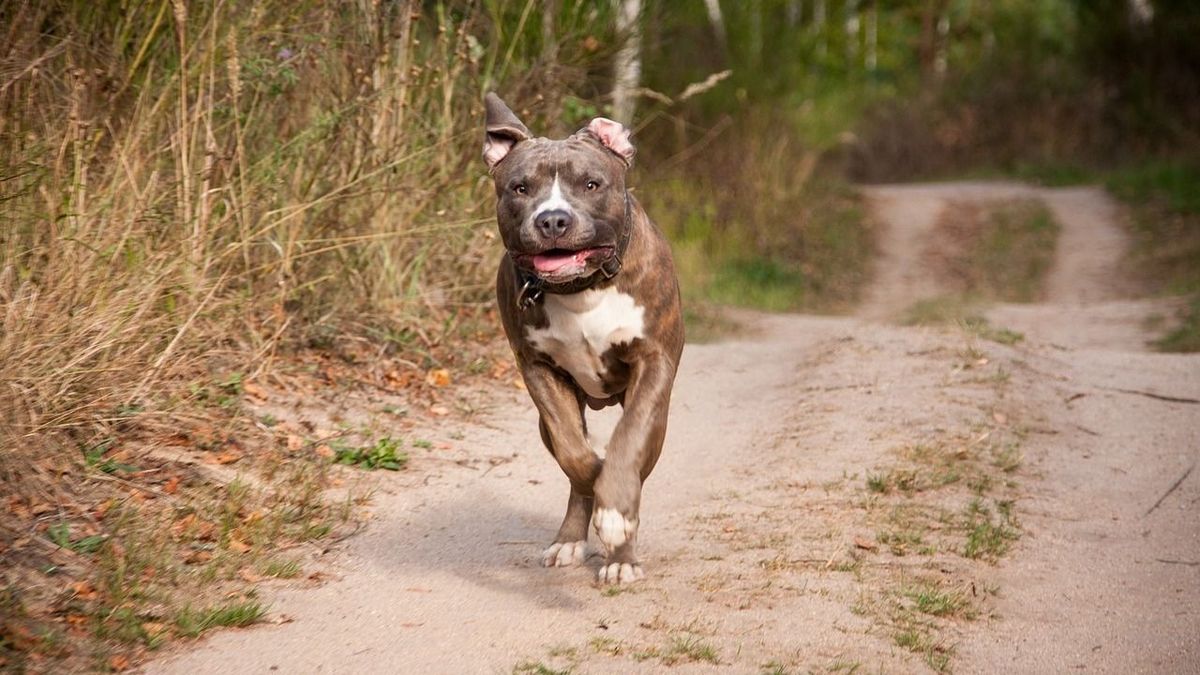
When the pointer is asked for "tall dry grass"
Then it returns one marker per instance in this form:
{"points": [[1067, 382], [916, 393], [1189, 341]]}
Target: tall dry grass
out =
{"points": [[188, 180]]}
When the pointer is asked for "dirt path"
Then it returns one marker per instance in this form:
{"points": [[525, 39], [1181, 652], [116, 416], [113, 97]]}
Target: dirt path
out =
{"points": [[759, 530]]}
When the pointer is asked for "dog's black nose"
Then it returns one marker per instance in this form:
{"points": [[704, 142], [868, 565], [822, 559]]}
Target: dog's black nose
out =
{"points": [[554, 223]]}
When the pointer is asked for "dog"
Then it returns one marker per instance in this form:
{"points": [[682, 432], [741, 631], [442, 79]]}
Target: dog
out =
{"points": [[589, 301]]}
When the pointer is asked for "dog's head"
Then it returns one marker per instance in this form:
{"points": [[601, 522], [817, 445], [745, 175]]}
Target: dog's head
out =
{"points": [[561, 205]]}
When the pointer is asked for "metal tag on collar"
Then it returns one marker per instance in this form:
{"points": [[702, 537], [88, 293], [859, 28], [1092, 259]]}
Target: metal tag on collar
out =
{"points": [[530, 295]]}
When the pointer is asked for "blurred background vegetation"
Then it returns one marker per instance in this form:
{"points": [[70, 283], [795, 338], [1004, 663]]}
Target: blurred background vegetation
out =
{"points": [[191, 182]]}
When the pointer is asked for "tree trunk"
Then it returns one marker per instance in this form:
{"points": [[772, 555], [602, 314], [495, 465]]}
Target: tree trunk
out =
{"points": [[819, 27], [872, 57], [628, 63], [717, 19], [940, 61], [852, 24], [795, 12]]}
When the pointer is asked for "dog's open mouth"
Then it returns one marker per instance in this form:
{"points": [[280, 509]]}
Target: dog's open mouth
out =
{"points": [[561, 263]]}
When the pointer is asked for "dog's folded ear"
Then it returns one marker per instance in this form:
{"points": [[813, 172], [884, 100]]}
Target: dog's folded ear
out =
{"points": [[614, 136], [504, 130]]}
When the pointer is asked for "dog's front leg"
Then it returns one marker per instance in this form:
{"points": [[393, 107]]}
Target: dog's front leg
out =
{"points": [[632, 452], [565, 435]]}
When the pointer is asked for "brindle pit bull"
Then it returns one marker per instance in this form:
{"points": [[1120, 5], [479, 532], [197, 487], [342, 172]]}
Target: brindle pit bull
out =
{"points": [[590, 304]]}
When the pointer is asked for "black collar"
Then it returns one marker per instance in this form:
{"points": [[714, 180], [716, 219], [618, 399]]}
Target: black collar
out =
{"points": [[532, 288]]}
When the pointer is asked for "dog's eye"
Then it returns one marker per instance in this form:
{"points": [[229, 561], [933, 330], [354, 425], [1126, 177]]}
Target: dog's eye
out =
{"points": [[592, 185], [521, 189]]}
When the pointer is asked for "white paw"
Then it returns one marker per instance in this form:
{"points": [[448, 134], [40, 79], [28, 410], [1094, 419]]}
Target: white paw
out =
{"points": [[564, 554], [612, 528], [620, 573]]}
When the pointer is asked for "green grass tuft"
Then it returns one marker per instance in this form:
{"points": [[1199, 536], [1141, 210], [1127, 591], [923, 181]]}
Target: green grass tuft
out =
{"points": [[192, 623]]}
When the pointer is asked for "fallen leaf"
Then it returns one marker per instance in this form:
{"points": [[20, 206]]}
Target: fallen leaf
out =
{"points": [[16, 506], [325, 451], [79, 621], [118, 662], [294, 442], [171, 486], [254, 391], [439, 410], [439, 377], [982, 362], [865, 544], [197, 557], [1000, 418], [238, 545], [84, 590], [19, 636], [154, 629], [228, 457], [501, 369]]}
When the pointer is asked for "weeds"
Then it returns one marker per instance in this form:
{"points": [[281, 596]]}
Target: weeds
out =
{"points": [[384, 454], [192, 623], [929, 599], [988, 536], [1165, 217], [282, 568]]}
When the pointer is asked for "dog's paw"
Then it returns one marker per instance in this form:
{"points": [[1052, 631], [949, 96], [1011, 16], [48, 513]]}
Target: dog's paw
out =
{"points": [[564, 554], [612, 528], [620, 573]]}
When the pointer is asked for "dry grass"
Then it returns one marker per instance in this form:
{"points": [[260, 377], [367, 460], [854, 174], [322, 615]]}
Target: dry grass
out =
{"points": [[190, 181], [189, 188], [190, 191]]}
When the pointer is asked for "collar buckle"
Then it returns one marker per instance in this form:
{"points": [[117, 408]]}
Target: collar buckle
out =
{"points": [[530, 294]]}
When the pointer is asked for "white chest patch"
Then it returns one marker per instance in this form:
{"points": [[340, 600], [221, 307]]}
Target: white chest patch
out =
{"points": [[582, 327]]}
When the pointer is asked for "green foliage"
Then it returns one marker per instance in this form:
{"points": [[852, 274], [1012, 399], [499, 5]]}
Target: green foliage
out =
{"points": [[1186, 336], [192, 622], [384, 454], [1173, 184]]}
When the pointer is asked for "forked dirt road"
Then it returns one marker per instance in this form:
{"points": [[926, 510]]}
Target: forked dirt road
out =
{"points": [[759, 533]]}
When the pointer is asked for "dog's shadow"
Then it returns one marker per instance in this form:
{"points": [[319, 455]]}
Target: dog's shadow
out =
{"points": [[489, 531], [484, 540]]}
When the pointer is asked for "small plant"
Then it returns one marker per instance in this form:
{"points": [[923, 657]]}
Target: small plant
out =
{"points": [[774, 668], [60, 534], [384, 454], [918, 641], [877, 482], [931, 600], [282, 568], [537, 668], [987, 537], [192, 623], [691, 648], [1007, 459], [606, 645]]}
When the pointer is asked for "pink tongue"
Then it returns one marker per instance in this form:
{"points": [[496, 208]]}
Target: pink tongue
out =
{"points": [[554, 262]]}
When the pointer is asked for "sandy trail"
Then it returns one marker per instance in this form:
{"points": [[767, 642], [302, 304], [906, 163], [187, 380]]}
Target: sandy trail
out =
{"points": [[757, 501]]}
